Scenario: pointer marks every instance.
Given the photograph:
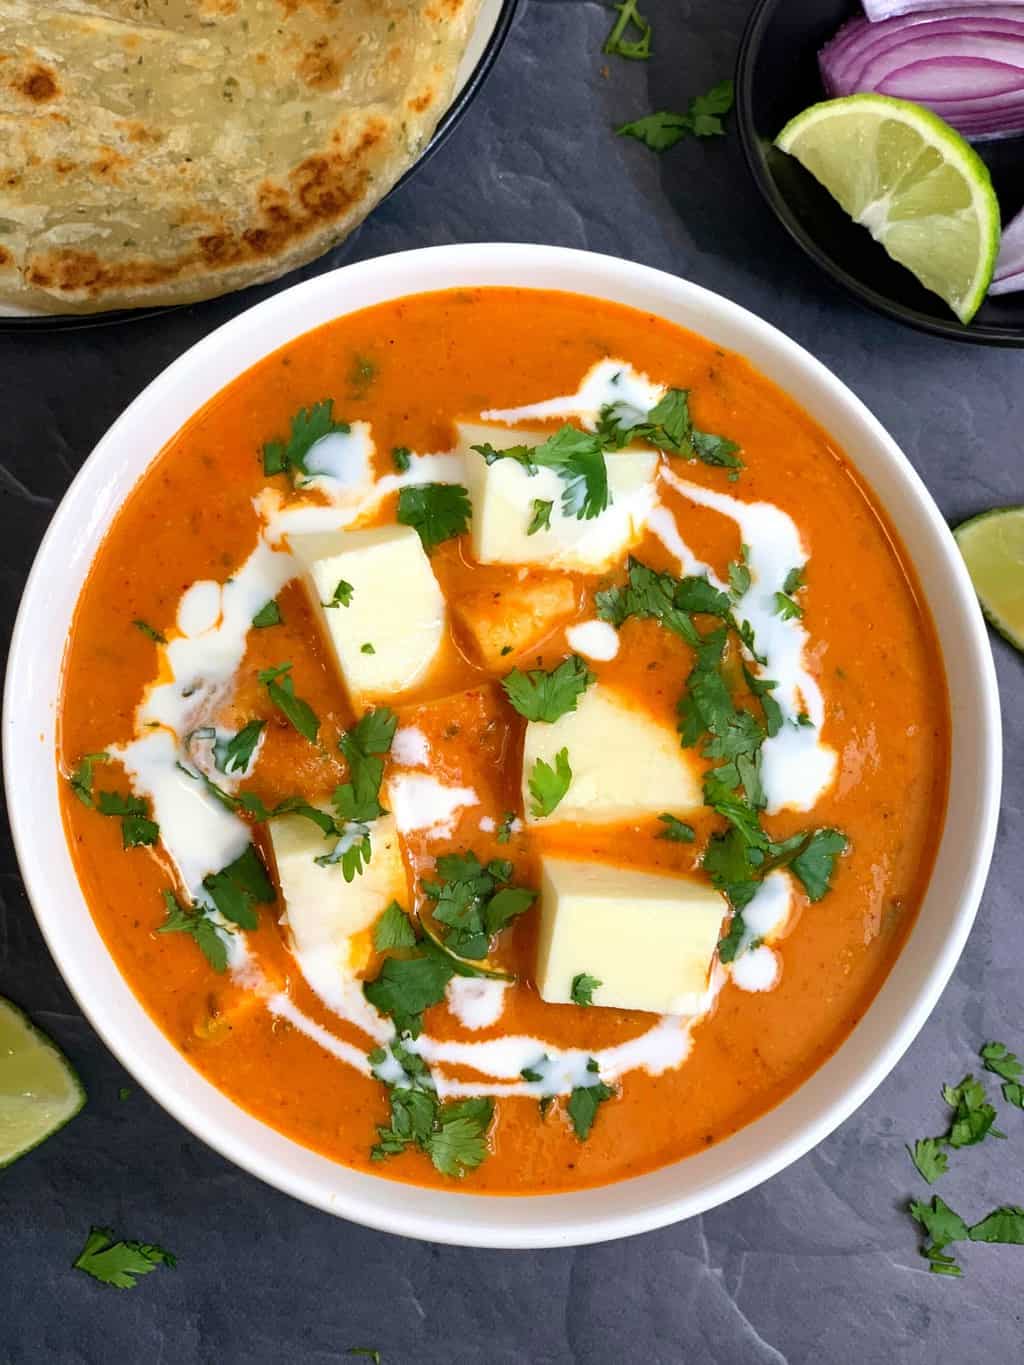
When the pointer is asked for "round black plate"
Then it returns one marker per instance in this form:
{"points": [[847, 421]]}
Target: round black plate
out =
{"points": [[447, 123], [776, 77]]}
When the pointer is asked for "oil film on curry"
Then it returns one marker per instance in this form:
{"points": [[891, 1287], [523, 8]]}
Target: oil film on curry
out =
{"points": [[516, 759]]}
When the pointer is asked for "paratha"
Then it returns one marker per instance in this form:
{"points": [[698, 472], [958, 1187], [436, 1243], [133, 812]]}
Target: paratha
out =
{"points": [[164, 151]]}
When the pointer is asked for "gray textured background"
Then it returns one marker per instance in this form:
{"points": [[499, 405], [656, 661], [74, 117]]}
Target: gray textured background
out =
{"points": [[819, 1265]]}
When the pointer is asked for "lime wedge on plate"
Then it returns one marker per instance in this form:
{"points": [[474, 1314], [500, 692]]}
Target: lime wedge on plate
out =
{"points": [[913, 182], [39, 1092], [992, 545]]}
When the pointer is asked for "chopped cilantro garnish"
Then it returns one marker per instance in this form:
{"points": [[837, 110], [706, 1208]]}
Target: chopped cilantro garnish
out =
{"points": [[405, 987], [548, 696], [268, 615], [787, 608], [238, 888], [929, 1157], [150, 632], [438, 511], [973, 1116], [342, 595], [504, 831], [739, 574], [367, 648], [664, 129], [794, 581], [1002, 1062], [814, 865], [453, 1135], [675, 830], [541, 518], [81, 779], [469, 904], [652, 596], [617, 44], [548, 785], [137, 829], [401, 458], [1004, 1225], [577, 457], [358, 799], [235, 754], [583, 988], [585, 1101], [309, 425], [943, 1226], [281, 690], [198, 926], [124, 1093], [361, 375], [119, 1263], [393, 930], [668, 426]]}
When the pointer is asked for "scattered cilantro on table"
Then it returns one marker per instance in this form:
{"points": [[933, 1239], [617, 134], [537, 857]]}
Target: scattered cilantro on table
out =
{"points": [[703, 118], [618, 44], [119, 1264], [1004, 1063]]}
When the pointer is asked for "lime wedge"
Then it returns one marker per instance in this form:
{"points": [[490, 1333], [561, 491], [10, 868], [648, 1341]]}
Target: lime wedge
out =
{"points": [[992, 545], [39, 1092], [913, 182]]}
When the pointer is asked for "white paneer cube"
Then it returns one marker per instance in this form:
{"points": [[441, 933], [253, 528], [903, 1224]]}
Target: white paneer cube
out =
{"points": [[648, 939], [625, 765], [503, 494], [396, 608], [327, 915]]}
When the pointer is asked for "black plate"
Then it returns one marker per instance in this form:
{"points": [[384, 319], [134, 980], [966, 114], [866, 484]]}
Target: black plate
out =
{"points": [[446, 125], [776, 77]]}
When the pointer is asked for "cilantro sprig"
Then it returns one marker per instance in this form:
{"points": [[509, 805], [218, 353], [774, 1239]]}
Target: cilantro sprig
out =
{"points": [[281, 691], [583, 987], [308, 426], [1002, 1062], [119, 1264], [577, 457], [618, 44], [585, 1101], [669, 427], [538, 695], [137, 829], [438, 511], [194, 922], [548, 785], [943, 1227], [453, 1135], [703, 118], [474, 903], [234, 755]]}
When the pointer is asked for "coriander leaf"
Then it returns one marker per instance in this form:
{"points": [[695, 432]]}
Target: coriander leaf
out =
{"points": [[199, 927], [393, 930], [81, 779], [584, 1103], [358, 800], [137, 829], [928, 1156], [999, 1059], [459, 1143], [718, 100], [362, 374], [786, 608], [368, 1351], [413, 1112], [282, 694], [577, 457], [1004, 1225], [815, 865], [1013, 1093], [505, 906], [675, 831], [739, 575], [237, 888], [504, 830], [372, 733], [438, 511], [119, 1263], [529, 1074], [659, 597], [353, 850], [717, 451], [268, 615], [308, 426], [618, 45], [548, 785], [729, 946], [367, 649], [235, 754], [548, 696], [405, 987], [939, 1221], [401, 458], [342, 595], [973, 1116], [541, 518], [583, 988], [794, 581], [659, 131], [148, 631]]}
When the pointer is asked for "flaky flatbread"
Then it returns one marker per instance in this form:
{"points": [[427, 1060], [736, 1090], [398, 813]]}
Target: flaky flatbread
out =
{"points": [[163, 151]]}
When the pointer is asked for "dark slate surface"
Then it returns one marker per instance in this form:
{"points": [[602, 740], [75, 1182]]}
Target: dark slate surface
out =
{"points": [[818, 1266]]}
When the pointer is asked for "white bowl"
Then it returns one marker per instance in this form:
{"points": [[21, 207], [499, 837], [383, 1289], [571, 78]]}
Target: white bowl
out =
{"points": [[675, 1192]]}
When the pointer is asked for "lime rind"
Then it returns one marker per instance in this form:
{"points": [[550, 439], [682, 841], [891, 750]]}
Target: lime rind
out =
{"points": [[909, 238], [992, 544], [39, 1089]]}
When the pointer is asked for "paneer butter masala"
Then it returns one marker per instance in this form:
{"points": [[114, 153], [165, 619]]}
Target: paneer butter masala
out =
{"points": [[503, 745]]}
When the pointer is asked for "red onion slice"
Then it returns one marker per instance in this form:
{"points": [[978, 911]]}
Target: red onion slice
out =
{"points": [[1009, 276], [965, 64], [880, 10]]}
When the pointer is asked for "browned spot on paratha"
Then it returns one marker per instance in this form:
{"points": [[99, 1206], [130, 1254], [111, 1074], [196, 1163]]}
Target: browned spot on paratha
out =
{"points": [[37, 84]]}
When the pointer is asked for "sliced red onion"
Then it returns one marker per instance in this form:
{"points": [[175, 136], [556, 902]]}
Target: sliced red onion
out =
{"points": [[1009, 276], [966, 64], [879, 10]]}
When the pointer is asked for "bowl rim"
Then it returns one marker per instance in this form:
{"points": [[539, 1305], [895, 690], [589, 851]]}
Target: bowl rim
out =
{"points": [[976, 334], [446, 125], [605, 1212]]}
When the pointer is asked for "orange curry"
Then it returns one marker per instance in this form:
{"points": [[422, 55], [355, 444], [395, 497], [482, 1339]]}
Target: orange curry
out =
{"points": [[410, 368]]}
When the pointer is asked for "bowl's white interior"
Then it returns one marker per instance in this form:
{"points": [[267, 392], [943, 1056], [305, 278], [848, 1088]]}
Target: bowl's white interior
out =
{"points": [[631, 1206]]}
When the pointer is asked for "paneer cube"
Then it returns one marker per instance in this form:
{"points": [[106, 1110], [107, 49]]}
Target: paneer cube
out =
{"points": [[328, 916], [503, 495], [625, 765], [507, 621], [395, 608], [648, 939]]}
